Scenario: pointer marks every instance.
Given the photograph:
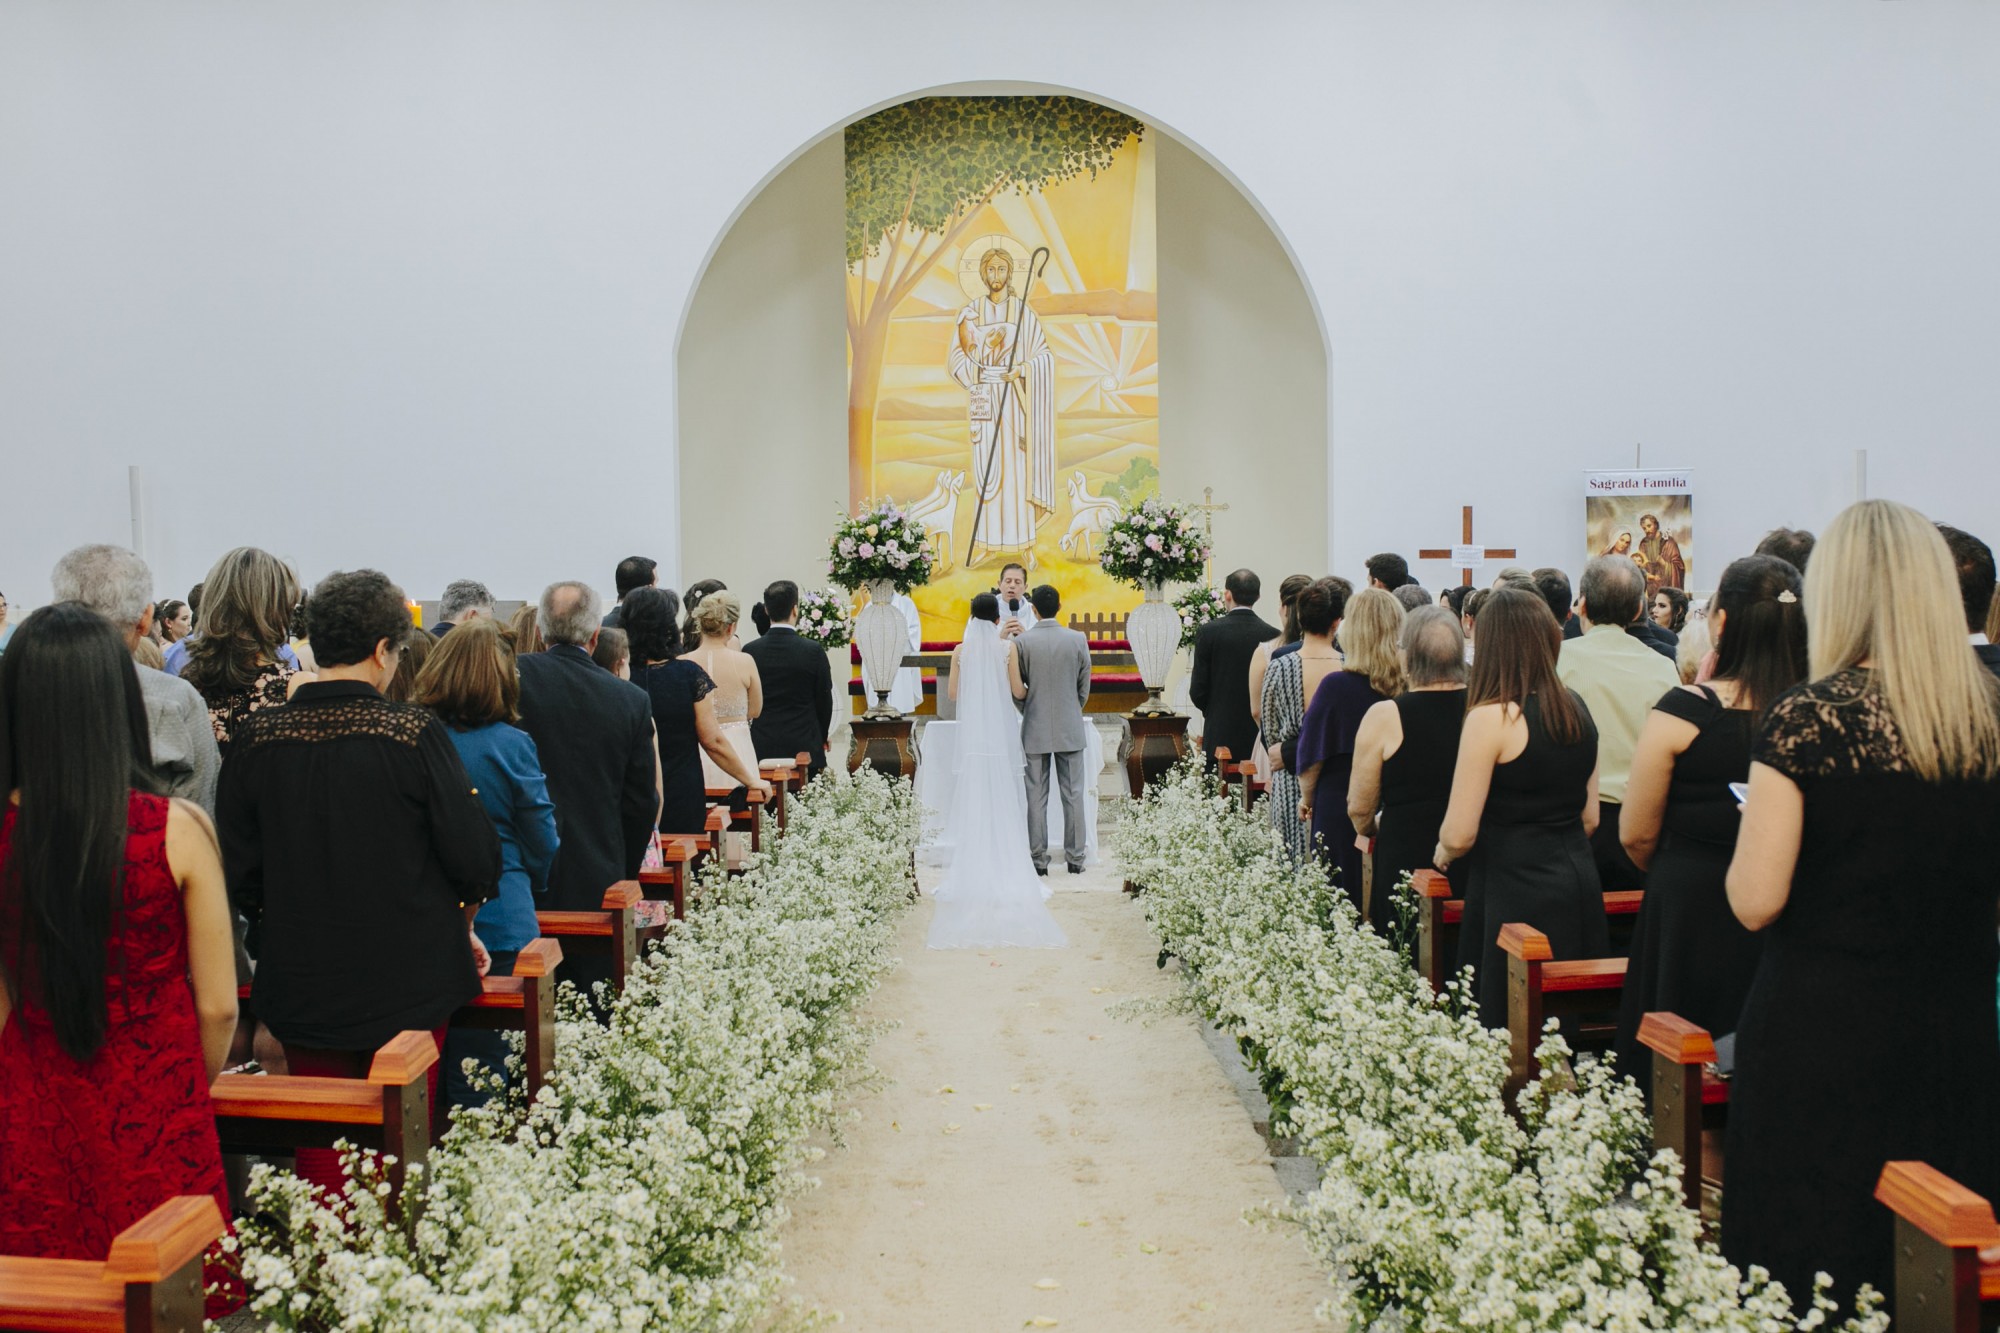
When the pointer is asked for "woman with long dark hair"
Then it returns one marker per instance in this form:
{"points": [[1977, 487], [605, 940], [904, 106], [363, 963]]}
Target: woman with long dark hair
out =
{"points": [[1690, 955], [690, 631], [684, 719], [1523, 799], [119, 996]]}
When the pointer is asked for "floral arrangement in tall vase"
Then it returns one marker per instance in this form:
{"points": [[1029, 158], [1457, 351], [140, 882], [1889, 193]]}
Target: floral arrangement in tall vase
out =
{"points": [[885, 551], [1150, 546]]}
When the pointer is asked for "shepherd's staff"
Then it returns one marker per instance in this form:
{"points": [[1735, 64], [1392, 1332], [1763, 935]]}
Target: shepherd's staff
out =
{"points": [[1000, 409]]}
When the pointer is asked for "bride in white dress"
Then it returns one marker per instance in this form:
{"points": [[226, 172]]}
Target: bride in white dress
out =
{"points": [[990, 896]]}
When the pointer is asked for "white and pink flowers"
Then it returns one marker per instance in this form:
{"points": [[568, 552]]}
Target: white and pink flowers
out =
{"points": [[880, 544], [1153, 545]]}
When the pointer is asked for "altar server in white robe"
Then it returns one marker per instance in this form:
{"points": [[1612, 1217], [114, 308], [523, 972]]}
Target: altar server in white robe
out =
{"points": [[1011, 411]]}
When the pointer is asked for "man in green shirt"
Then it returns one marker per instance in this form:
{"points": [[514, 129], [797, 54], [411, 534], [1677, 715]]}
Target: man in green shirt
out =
{"points": [[1619, 679]]}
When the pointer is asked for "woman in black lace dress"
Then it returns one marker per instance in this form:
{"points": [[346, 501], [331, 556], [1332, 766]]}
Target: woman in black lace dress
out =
{"points": [[1690, 955], [1866, 856], [1523, 799]]}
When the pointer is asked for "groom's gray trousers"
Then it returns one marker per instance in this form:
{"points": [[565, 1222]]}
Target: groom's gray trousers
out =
{"points": [[1069, 781]]}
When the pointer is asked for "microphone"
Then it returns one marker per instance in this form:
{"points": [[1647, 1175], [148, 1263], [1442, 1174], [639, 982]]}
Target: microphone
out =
{"points": [[1014, 605]]}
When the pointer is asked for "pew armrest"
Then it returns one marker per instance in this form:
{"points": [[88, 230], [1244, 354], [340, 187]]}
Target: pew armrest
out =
{"points": [[404, 1059], [623, 895], [538, 958], [1430, 884], [164, 1240], [1680, 1041], [1524, 942], [1584, 974], [1937, 1205]]}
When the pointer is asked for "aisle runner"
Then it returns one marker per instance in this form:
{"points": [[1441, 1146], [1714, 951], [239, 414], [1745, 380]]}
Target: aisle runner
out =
{"points": [[1112, 1159]]}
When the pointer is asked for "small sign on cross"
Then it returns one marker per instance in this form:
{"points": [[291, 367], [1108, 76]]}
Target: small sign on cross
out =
{"points": [[1466, 555]]}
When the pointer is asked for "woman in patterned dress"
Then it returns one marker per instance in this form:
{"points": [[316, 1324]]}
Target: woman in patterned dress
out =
{"points": [[240, 659], [1288, 683], [119, 996]]}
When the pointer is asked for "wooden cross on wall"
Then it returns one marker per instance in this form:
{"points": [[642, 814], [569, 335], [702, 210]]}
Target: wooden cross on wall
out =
{"points": [[1467, 553]]}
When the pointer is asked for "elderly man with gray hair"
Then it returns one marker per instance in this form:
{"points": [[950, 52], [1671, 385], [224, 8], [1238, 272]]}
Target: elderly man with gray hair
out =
{"points": [[595, 736], [463, 600], [1405, 752], [116, 584], [1620, 678]]}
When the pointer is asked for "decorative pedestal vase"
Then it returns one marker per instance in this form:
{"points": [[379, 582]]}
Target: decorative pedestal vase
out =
{"points": [[1154, 629], [884, 638], [883, 744]]}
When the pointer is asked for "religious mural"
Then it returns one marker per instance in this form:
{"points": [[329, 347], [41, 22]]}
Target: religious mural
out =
{"points": [[1003, 350], [1648, 516]]}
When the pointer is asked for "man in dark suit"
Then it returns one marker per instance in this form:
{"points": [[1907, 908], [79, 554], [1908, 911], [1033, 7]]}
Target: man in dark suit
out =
{"points": [[633, 572], [798, 684], [1220, 687], [595, 736], [1974, 559]]}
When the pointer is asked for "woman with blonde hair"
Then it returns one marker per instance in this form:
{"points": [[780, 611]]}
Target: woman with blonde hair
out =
{"points": [[526, 631], [739, 690], [239, 656], [1866, 858], [1371, 671]]}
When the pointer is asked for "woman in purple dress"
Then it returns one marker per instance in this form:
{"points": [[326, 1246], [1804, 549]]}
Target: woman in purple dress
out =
{"points": [[1372, 671]]}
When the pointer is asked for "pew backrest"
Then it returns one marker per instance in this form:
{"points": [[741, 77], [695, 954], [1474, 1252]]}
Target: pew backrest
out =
{"points": [[149, 1282]]}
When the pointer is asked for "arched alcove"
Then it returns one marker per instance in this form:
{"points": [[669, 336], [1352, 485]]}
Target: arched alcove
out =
{"points": [[761, 374]]}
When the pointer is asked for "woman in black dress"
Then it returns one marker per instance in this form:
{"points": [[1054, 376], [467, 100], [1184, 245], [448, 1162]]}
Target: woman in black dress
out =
{"points": [[683, 718], [1371, 671], [1866, 857], [1523, 799], [1690, 955], [1404, 756]]}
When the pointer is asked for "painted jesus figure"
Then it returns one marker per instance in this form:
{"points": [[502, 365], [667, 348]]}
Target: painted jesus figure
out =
{"points": [[1013, 443]]}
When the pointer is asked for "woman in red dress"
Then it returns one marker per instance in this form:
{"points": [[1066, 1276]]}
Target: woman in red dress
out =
{"points": [[119, 995]]}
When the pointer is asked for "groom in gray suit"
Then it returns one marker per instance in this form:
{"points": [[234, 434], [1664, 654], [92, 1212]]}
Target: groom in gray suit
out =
{"points": [[1055, 663]]}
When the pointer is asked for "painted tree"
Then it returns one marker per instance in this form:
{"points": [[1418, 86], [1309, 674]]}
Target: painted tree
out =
{"points": [[917, 175]]}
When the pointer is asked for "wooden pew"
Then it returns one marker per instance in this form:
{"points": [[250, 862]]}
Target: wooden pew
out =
{"points": [[1941, 1285], [1688, 1096], [670, 882], [1539, 989], [1439, 916], [615, 924], [150, 1282], [750, 819], [781, 774], [524, 1002], [389, 1111]]}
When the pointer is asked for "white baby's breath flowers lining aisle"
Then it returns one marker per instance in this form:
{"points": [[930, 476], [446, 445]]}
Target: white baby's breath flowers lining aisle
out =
{"points": [[644, 1188], [1436, 1203]]}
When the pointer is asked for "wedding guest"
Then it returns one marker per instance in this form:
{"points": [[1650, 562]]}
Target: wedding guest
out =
{"points": [[797, 684], [146, 653], [526, 630], [1866, 858], [355, 844], [1523, 798], [633, 572], [117, 585], [177, 651], [1669, 610], [239, 658], [1371, 671], [1413, 596], [416, 651], [1694, 654], [1620, 679], [1286, 642], [1513, 576], [594, 733], [691, 632], [6, 625], [1404, 757], [1973, 559], [471, 684], [613, 652], [739, 691], [1291, 681], [175, 621], [1690, 956], [1554, 587], [684, 719], [1388, 571], [1469, 618], [117, 983], [1993, 622], [1219, 684], [463, 600], [1794, 545]]}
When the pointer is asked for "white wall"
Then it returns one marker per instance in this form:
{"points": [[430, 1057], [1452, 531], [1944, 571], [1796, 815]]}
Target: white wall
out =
{"points": [[401, 282]]}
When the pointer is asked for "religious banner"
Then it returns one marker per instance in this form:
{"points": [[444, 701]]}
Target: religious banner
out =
{"points": [[1002, 337], [1648, 516]]}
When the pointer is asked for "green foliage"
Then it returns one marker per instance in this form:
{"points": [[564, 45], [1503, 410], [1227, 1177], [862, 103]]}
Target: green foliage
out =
{"points": [[1140, 481], [937, 156]]}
